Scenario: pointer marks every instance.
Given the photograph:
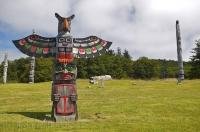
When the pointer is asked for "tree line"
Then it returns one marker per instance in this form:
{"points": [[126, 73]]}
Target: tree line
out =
{"points": [[117, 64]]}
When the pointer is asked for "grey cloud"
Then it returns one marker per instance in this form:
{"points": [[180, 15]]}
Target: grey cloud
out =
{"points": [[144, 27], [23, 15]]}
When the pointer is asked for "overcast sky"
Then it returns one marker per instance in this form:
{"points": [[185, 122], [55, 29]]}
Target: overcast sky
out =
{"points": [[144, 27]]}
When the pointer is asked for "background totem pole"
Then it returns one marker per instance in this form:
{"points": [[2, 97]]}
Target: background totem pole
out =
{"points": [[179, 53], [32, 70], [5, 67], [32, 67], [64, 48]]}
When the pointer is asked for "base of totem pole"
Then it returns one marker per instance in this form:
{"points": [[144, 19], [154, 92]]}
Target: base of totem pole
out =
{"points": [[64, 118]]}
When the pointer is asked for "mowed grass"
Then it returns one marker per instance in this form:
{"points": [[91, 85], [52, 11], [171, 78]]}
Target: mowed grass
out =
{"points": [[122, 105]]}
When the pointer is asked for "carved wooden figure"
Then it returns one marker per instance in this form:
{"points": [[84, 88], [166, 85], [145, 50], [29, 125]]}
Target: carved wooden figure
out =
{"points": [[64, 48], [32, 70], [5, 67], [179, 53]]}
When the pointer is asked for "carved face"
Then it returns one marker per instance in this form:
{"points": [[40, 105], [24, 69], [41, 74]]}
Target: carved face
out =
{"points": [[64, 23]]}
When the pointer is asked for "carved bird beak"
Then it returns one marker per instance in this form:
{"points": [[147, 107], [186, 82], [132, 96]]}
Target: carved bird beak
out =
{"points": [[65, 25]]}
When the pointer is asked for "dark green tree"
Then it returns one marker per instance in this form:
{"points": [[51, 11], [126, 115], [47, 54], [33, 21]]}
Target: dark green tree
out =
{"points": [[110, 52], [22, 66], [112, 63], [81, 68], [163, 69], [144, 68], [43, 69], [126, 54], [119, 51], [195, 61], [12, 75], [117, 64]]}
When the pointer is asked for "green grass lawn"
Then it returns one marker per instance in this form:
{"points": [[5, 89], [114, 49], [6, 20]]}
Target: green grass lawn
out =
{"points": [[122, 105]]}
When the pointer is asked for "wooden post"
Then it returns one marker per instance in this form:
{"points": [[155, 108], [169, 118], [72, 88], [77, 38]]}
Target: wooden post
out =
{"points": [[5, 68], [179, 53], [32, 66], [32, 70]]}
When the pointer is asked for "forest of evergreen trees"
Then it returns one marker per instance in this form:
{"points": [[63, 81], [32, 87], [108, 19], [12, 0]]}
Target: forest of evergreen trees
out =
{"points": [[117, 64]]}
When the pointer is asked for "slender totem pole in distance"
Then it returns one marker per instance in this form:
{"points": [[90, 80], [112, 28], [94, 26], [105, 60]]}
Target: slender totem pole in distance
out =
{"points": [[5, 68], [179, 53], [32, 70], [64, 48], [32, 67]]}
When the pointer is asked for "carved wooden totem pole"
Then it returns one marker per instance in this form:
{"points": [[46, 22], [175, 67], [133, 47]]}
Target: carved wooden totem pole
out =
{"points": [[64, 48], [179, 53], [32, 70], [5, 67]]}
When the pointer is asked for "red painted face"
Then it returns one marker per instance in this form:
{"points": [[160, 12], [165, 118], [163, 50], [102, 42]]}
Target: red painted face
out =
{"points": [[65, 58]]}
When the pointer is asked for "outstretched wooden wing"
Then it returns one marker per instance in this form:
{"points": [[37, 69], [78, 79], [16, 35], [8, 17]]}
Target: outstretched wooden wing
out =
{"points": [[35, 45], [89, 47]]}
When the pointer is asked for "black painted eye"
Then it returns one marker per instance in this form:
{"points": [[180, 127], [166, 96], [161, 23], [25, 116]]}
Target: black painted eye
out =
{"points": [[61, 40], [69, 40]]}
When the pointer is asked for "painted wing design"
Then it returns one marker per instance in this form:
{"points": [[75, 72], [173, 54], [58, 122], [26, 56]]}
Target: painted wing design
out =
{"points": [[89, 47], [35, 45]]}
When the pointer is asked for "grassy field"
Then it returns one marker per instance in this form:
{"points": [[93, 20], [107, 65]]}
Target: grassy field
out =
{"points": [[122, 105]]}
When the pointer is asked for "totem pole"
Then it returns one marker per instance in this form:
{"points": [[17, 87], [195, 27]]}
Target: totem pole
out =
{"points": [[32, 69], [5, 67], [64, 48], [179, 53]]}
